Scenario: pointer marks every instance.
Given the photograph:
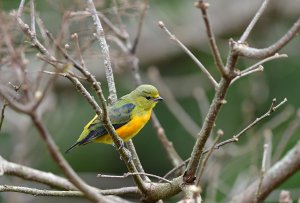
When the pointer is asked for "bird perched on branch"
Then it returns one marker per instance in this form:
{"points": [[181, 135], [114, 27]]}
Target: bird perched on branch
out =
{"points": [[128, 116]]}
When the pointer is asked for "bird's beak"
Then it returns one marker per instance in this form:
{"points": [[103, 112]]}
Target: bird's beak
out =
{"points": [[159, 98]]}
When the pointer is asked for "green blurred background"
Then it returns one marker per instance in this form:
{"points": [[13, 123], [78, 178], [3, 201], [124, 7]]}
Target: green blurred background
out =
{"points": [[67, 112]]}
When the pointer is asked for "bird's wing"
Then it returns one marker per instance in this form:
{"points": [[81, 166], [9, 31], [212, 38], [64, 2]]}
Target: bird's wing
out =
{"points": [[119, 115]]}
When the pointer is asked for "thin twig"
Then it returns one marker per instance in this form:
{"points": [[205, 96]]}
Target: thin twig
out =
{"points": [[211, 39], [236, 137], [268, 137], [125, 175], [220, 133], [27, 31], [254, 20], [5, 93], [39, 192], [32, 15], [41, 27], [279, 119], [263, 171], [75, 37], [257, 67], [90, 78], [270, 58], [21, 7], [189, 53], [64, 74], [116, 30]]}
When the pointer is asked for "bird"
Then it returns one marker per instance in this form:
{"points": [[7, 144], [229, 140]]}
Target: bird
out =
{"points": [[128, 116]]}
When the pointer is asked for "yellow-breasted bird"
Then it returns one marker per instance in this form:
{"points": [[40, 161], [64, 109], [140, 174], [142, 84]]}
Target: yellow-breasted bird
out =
{"points": [[128, 116]]}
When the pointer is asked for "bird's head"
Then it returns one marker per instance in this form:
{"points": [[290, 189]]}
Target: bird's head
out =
{"points": [[145, 96]]}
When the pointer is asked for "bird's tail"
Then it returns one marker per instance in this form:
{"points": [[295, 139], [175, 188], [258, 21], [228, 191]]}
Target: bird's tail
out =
{"points": [[74, 145]]}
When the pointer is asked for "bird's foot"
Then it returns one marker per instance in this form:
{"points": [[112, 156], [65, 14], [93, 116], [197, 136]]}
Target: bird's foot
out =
{"points": [[127, 154], [122, 145]]}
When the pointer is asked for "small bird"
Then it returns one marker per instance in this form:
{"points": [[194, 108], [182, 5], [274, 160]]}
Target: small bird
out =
{"points": [[128, 116]]}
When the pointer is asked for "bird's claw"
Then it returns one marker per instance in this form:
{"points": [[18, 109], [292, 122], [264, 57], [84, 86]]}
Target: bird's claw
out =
{"points": [[121, 145], [128, 155]]}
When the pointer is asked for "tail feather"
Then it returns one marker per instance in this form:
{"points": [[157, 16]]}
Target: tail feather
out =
{"points": [[74, 145]]}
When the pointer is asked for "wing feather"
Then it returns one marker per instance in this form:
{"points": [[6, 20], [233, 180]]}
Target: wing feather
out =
{"points": [[119, 115]]}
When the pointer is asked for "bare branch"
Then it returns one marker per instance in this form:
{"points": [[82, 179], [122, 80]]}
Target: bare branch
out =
{"points": [[53, 180], [235, 138], [28, 32], [211, 39], [75, 37], [21, 7], [56, 193], [89, 192], [205, 131], [32, 14], [122, 35], [254, 20], [104, 48], [4, 93], [31, 174], [189, 53], [84, 92], [268, 137], [257, 67], [282, 170], [125, 175], [278, 119], [263, 171], [250, 52]]}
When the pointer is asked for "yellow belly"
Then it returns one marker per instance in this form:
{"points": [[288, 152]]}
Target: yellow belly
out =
{"points": [[127, 131]]}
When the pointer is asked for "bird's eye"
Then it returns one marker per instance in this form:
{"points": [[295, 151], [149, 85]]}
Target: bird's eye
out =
{"points": [[148, 97]]}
